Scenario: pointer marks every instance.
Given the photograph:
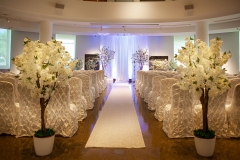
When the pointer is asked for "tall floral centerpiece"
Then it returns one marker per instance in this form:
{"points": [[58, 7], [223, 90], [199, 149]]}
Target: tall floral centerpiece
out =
{"points": [[105, 56], [140, 57], [41, 66], [202, 73]]}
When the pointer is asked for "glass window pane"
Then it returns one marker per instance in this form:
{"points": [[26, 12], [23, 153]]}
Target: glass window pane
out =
{"points": [[5, 48]]}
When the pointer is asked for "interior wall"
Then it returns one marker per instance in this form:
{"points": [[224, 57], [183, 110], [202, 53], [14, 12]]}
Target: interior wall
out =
{"points": [[87, 45], [230, 43], [158, 46], [161, 46], [17, 44]]}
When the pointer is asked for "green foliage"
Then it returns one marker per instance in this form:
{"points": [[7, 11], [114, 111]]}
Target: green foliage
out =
{"points": [[201, 134], [40, 134]]}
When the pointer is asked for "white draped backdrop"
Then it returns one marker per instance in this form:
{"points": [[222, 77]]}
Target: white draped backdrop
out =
{"points": [[121, 67]]}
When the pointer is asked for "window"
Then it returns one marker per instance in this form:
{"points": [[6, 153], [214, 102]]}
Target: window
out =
{"points": [[68, 41], [5, 43]]}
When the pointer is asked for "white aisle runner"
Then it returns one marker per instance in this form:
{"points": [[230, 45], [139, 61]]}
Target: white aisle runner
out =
{"points": [[117, 125]]}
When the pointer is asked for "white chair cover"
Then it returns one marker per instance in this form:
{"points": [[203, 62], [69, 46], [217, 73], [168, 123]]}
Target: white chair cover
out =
{"points": [[62, 116], [144, 84], [8, 109], [177, 120], [76, 97], [234, 114], [234, 82], [14, 82], [217, 115], [91, 85], [95, 84], [86, 89], [148, 86], [29, 114], [152, 97], [165, 97]]}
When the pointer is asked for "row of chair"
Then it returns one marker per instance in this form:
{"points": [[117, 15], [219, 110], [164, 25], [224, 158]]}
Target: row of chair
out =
{"points": [[180, 113], [20, 112]]}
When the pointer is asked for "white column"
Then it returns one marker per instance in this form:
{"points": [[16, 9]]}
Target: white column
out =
{"points": [[45, 31], [202, 31]]}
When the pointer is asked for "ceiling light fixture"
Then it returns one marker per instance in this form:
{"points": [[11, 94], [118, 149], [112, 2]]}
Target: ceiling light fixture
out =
{"points": [[7, 20]]}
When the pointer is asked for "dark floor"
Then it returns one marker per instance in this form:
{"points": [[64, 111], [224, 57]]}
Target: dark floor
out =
{"points": [[158, 145]]}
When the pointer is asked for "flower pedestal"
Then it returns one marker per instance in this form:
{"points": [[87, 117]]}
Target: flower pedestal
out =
{"points": [[205, 147], [43, 146]]}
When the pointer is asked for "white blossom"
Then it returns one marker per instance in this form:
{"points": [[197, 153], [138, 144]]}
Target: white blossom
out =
{"points": [[201, 67], [42, 65]]}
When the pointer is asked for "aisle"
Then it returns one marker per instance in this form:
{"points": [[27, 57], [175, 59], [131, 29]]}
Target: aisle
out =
{"points": [[117, 125]]}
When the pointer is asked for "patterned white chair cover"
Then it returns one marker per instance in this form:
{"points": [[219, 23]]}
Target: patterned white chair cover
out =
{"points": [[77, 98], [231, 77], [138, 80], [91, 85], [14, 82], [62, 116], [104, 80], [233, 114], [165, 97], [8, 109], [101, 79], [141, 81], [234, 82], [177, 117], [95, 84], [29, 114], [144, 84], [217, 115], [86, 89], [149, 86], [152, 97], [98, 82]]}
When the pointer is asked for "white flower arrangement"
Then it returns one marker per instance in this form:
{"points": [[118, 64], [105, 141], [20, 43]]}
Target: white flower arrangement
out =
{"points": [[105, 56], [164, 65], [41, 66], [79, 64], [201, 71], [140, 57]]}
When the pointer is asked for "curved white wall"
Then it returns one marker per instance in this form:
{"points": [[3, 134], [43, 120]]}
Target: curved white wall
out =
{"points": [[128, 12]]}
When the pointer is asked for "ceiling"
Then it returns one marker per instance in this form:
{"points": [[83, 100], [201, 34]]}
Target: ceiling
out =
{"points": [[119, 18]]}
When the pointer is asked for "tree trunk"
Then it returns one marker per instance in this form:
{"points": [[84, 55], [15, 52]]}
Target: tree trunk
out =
{"points": [[204, 101], [43, 107]]}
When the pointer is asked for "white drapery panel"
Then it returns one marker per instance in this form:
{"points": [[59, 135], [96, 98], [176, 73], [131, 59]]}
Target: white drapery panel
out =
{"points": [[121, 67]]}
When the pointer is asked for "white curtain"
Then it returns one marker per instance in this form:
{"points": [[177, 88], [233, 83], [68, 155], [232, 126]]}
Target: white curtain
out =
{"points": [[121, 67]]}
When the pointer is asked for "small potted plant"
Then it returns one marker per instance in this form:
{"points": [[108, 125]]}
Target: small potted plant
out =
{"points": [[41, 66], [202, 74]]}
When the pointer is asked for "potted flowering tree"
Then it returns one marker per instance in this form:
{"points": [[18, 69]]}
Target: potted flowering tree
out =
{"points": [[202, 74], [140, 57], [105, 56], [41, 66]]}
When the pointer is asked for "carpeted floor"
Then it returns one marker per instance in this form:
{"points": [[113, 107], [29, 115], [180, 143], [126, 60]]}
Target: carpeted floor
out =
{"points": [[117, 126]]}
